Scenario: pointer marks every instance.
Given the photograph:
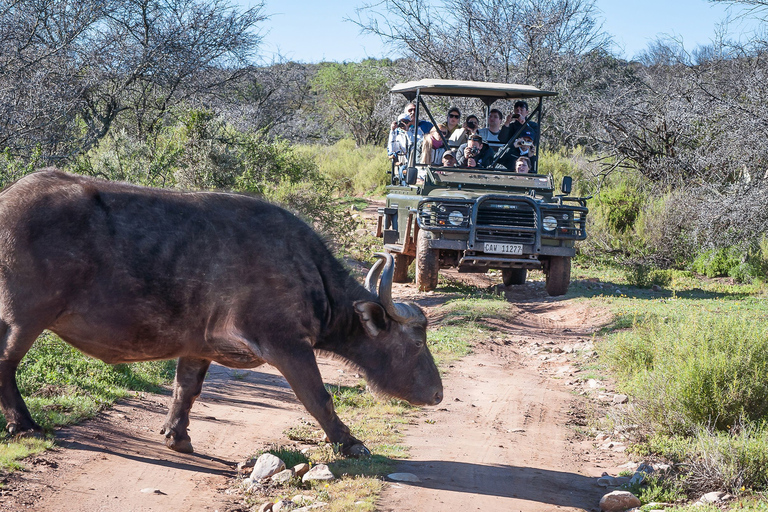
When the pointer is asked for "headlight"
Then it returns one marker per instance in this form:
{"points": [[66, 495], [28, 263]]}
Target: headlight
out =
{"points": [[549, 223], [456, 218]]}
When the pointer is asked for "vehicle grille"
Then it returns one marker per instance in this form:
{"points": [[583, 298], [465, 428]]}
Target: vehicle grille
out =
{"points": [[505, 221]]}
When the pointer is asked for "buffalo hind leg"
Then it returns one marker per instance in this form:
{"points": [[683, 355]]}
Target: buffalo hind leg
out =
{"points": [[190, 373], [300, 370], [14, 344]]}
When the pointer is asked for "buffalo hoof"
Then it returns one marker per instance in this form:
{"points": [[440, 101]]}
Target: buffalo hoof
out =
{"points": [[179, 445], [35, 431], [358, 451]]}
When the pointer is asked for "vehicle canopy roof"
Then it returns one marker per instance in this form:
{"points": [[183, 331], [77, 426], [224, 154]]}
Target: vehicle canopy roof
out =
{"points": [[487, 91]]}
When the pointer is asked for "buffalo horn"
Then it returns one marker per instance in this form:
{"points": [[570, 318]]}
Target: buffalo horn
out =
{"points": [[399, 312], [373, 275]]}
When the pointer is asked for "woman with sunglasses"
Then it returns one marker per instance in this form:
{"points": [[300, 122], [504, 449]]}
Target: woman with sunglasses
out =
{"points": [[452, 120]]}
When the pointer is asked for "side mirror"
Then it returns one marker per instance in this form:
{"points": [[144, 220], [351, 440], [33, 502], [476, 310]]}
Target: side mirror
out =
{"points": [[410, 176], [567, 185]]}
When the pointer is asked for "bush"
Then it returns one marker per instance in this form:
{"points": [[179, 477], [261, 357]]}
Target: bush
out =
{"points": [[706, 368], [733, 262], [12, 168], [645, 276], [200, 153]]}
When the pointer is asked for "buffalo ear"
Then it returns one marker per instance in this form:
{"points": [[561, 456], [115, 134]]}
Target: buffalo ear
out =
{"points": [[372, 316]]}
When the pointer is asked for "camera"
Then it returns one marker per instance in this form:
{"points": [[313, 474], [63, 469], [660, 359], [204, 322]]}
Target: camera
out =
{"points": [[473, 151], [526, 143], [471, 125], [402, 125], [515, 116]]}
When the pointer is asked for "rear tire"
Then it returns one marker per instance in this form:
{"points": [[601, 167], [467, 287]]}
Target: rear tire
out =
{"points": [[401, 268], [559, 275], [513, 276], [427, 264]]}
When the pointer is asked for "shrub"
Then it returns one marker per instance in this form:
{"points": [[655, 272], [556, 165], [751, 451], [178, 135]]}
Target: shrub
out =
{"points": [[12, 168], [706, 368], [200, 153], [644, 276], [733, 262]]}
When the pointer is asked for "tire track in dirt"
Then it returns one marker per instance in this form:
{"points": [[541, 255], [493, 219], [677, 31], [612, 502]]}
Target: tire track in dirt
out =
{"points": [[502, 440]]}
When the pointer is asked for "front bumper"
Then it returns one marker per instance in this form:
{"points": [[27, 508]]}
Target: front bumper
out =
{"points": [[501, 219]]}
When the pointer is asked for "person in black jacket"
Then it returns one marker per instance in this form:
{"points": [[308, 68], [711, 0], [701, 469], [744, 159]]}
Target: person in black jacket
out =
{"points": [[474, 153]]}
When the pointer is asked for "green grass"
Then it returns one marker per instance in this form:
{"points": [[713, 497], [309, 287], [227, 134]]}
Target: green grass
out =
{"points": [[379, 422], [358, 170], [12, 452], [694, 361], [61, 386]]}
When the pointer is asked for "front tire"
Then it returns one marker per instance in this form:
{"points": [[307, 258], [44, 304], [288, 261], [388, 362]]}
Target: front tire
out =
{"points": [[427, 264], [513, 276], [558, 276]]}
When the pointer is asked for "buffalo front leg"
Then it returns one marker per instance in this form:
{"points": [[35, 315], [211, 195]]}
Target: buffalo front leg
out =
{"points": [[190, 373], [14, 343], [300, 370]]}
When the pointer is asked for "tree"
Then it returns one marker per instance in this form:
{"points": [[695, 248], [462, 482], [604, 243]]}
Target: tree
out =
{"points": [[497, 40], [71, 69], [353, 93]]}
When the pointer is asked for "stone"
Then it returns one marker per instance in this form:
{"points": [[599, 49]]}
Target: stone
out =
{"points": [[606, 481], [282, 477], [712, 497], [403, 477], [282, 505], [303, 500], [638, 478], [301, 469], [314, 506], [151, 490], [620, 399], [318, 473], [618, 501], [645, 468], [266, 466]]}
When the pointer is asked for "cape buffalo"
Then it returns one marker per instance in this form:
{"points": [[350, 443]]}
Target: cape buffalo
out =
{"points": [[126, 273]]}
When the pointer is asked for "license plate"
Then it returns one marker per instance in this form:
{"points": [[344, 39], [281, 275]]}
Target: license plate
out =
{"points": [[516, 249]]}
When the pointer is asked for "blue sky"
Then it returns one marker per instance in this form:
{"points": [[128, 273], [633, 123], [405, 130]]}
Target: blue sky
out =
{"points": [[312, 31]]}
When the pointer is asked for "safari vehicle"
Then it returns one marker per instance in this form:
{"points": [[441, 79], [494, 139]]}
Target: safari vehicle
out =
{"points": [[476, 219]]}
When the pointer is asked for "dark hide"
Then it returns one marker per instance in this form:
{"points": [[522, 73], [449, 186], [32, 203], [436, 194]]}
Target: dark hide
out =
{"points": [[126, 273]]}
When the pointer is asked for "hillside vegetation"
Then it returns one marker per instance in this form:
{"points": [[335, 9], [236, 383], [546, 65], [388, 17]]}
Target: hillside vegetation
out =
{"points": [[670, 145]]}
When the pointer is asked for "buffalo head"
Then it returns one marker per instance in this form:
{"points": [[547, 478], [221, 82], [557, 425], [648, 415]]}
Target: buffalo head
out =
{"points": [[394, 354]]}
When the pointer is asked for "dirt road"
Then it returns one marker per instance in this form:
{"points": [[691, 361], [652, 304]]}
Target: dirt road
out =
{"points": [[503, 438]]}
